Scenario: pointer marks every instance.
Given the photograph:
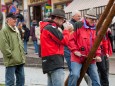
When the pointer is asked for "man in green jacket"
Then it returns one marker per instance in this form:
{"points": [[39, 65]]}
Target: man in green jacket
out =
{"points": [[13, 52]]}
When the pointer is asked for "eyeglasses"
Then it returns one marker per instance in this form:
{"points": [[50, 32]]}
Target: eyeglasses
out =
{"points": [[92, 19]]}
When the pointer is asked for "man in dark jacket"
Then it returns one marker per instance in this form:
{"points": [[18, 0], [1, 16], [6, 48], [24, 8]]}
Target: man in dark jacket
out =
{"points": [[52, 41]]}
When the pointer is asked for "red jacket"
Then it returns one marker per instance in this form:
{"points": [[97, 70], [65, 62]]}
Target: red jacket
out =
{"points": [[106, 45], [52, 40], [82, 40]]}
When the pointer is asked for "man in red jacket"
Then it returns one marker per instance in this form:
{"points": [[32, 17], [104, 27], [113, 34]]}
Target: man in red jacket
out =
{"points": [[53, 38], [106, 52], [80, 44]]}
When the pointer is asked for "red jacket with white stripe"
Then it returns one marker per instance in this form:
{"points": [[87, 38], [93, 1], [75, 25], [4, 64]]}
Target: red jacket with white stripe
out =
{"points": [[52, 40]]}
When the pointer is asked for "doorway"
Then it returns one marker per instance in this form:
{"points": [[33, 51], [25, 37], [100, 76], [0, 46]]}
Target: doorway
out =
{"points": [[37, 13]]}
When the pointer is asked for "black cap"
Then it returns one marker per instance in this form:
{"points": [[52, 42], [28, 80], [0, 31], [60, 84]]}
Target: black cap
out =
{"points": [[58, 13], [11, 15]]}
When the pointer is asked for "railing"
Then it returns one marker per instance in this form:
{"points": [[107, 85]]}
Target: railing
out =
{"points": [[99, 10]]}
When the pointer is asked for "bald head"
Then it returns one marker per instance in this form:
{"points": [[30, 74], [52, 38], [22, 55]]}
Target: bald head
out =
{"points": [[76, 15]]}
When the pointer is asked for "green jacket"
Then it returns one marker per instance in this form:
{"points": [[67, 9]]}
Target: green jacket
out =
{"points": [[11, 46]]}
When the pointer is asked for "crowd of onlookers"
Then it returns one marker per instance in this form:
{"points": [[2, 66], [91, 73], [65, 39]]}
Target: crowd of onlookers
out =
{"points": [[55, 39]]}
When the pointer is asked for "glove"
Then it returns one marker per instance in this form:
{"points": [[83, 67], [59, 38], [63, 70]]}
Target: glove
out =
{"points": [[107, 55], [78, 24], [98, 59]]}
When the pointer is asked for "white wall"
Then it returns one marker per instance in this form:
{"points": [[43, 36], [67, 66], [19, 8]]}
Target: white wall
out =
{"points": [[25, 12]]}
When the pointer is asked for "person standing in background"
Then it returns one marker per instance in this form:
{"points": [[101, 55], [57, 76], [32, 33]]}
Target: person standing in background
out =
{"points": [[12, 49], [26, 36], [32, 35], [37, 34], [20, 17], [21, 31], [106, 52]]}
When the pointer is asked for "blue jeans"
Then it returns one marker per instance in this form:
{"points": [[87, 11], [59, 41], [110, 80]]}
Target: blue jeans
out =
{"points": [[67, 57], [25, 46], [75, 74], [56, 78], [12, 72], [35, 46]]}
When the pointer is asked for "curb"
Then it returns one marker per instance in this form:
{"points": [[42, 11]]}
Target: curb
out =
{"points": [[37, 62]]}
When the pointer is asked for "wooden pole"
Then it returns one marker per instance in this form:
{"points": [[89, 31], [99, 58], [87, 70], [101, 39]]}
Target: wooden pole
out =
{"points": [[101, 20], [91, 54], [104, 15], [66, 81]]}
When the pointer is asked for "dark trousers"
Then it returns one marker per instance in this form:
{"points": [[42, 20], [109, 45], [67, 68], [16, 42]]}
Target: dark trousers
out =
{"points": [[103, 69]]}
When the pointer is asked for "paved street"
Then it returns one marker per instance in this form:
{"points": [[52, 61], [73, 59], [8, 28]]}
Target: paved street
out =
{"points": [[35, 77]]}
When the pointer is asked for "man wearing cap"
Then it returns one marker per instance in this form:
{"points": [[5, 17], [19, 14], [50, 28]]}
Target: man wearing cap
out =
{"points": [[52, 40], [13, 52], [80, 44]]}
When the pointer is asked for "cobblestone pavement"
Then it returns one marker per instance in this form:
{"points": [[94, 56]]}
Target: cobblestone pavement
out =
{"points": [[35, 77]]}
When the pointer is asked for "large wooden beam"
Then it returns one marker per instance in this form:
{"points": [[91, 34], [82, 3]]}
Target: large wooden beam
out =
{"points": [[104, 15], [102, 32]]}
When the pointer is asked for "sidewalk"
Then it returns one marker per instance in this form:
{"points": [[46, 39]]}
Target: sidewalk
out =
{"points": [[112, 59], [34, 60]]}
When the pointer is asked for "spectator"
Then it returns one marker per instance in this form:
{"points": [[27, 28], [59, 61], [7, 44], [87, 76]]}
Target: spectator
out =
{"points": [[21, 31], [80, 43], [52, 40], [26, 36], [32, 35], [103, 67], [12, 48], [20, 17]]}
